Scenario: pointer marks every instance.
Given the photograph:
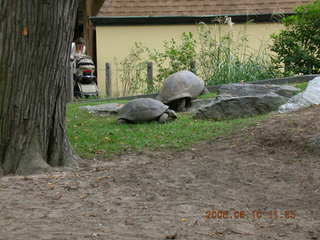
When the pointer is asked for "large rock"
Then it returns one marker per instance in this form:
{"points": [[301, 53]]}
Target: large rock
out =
{"points": [[237, 107], [310, 96], [245, 89], [200, 103], [104, 109]]}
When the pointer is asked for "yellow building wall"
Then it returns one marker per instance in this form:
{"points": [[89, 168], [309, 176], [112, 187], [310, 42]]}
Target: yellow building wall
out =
{"points": [[115, 42]]}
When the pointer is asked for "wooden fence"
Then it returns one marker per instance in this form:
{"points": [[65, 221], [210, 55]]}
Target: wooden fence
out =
{"points": [[150, 72]]}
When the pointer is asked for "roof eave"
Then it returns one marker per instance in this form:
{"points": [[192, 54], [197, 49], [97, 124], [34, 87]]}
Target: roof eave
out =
{"points": [[159, 20]]}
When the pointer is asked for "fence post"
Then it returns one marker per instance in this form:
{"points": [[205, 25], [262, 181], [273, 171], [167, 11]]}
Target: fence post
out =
{"points": [[108, 80], [193, 67], [150, 76]]}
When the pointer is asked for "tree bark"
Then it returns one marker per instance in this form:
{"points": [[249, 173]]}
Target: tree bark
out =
{"points": [[35, 41]]}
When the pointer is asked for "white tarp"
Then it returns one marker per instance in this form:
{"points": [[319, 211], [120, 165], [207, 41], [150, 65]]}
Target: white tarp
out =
{"points": [[310, 96]]}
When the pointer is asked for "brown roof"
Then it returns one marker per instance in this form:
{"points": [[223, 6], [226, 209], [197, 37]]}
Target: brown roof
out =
{"points": [[196, 7]]}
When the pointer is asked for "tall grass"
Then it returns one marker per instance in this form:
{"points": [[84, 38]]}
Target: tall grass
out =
{"points": [[219, 57], [223, 58], [133, 71]]}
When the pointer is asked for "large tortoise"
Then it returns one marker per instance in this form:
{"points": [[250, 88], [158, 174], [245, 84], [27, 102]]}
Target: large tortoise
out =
{"points": [[144, 110], [180, 88]]}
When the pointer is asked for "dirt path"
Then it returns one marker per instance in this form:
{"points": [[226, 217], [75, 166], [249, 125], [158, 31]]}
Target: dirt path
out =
{"points": [[166, 195]]}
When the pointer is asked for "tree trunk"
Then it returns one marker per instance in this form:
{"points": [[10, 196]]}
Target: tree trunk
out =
{"points": [[35, 42]]}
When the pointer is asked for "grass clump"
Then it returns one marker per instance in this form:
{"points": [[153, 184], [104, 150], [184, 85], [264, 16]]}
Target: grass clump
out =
{"points": [[226, 58], [301, 86], [101, 137], [208, 95]]}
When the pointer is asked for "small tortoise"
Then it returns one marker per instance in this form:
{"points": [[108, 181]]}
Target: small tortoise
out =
{"points": [[144, 110], [179, 88]]}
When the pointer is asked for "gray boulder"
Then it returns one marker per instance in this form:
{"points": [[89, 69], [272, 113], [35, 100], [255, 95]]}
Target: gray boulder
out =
{"points": [[200, 103], [104, 109], [246, 89], [238, 107]]}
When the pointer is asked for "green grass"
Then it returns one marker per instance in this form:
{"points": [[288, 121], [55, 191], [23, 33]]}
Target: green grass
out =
{"points": [[301, 86], [208, 95], [100, 137]]}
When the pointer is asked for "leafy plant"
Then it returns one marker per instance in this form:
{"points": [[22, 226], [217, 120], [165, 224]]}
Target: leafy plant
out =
{"points": [[175, 56], [133, 71], [215, 56], [298, 46]]}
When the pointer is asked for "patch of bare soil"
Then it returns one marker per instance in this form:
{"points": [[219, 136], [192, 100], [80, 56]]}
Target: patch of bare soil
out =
{"points": [[262, 183], [295, 133]]}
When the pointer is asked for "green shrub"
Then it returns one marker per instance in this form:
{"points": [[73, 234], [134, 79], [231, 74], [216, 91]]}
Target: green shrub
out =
{"points": [[298, 46], [175, 57], [133, 71]]}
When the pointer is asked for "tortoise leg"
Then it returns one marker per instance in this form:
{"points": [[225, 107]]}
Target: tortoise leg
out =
{"points": [[181, 105], [204, 91], [163, 118], [122, 121]]}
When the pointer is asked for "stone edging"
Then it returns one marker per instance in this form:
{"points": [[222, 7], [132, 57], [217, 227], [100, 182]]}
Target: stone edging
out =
{"points": [[286, 80], [294, 79]]}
